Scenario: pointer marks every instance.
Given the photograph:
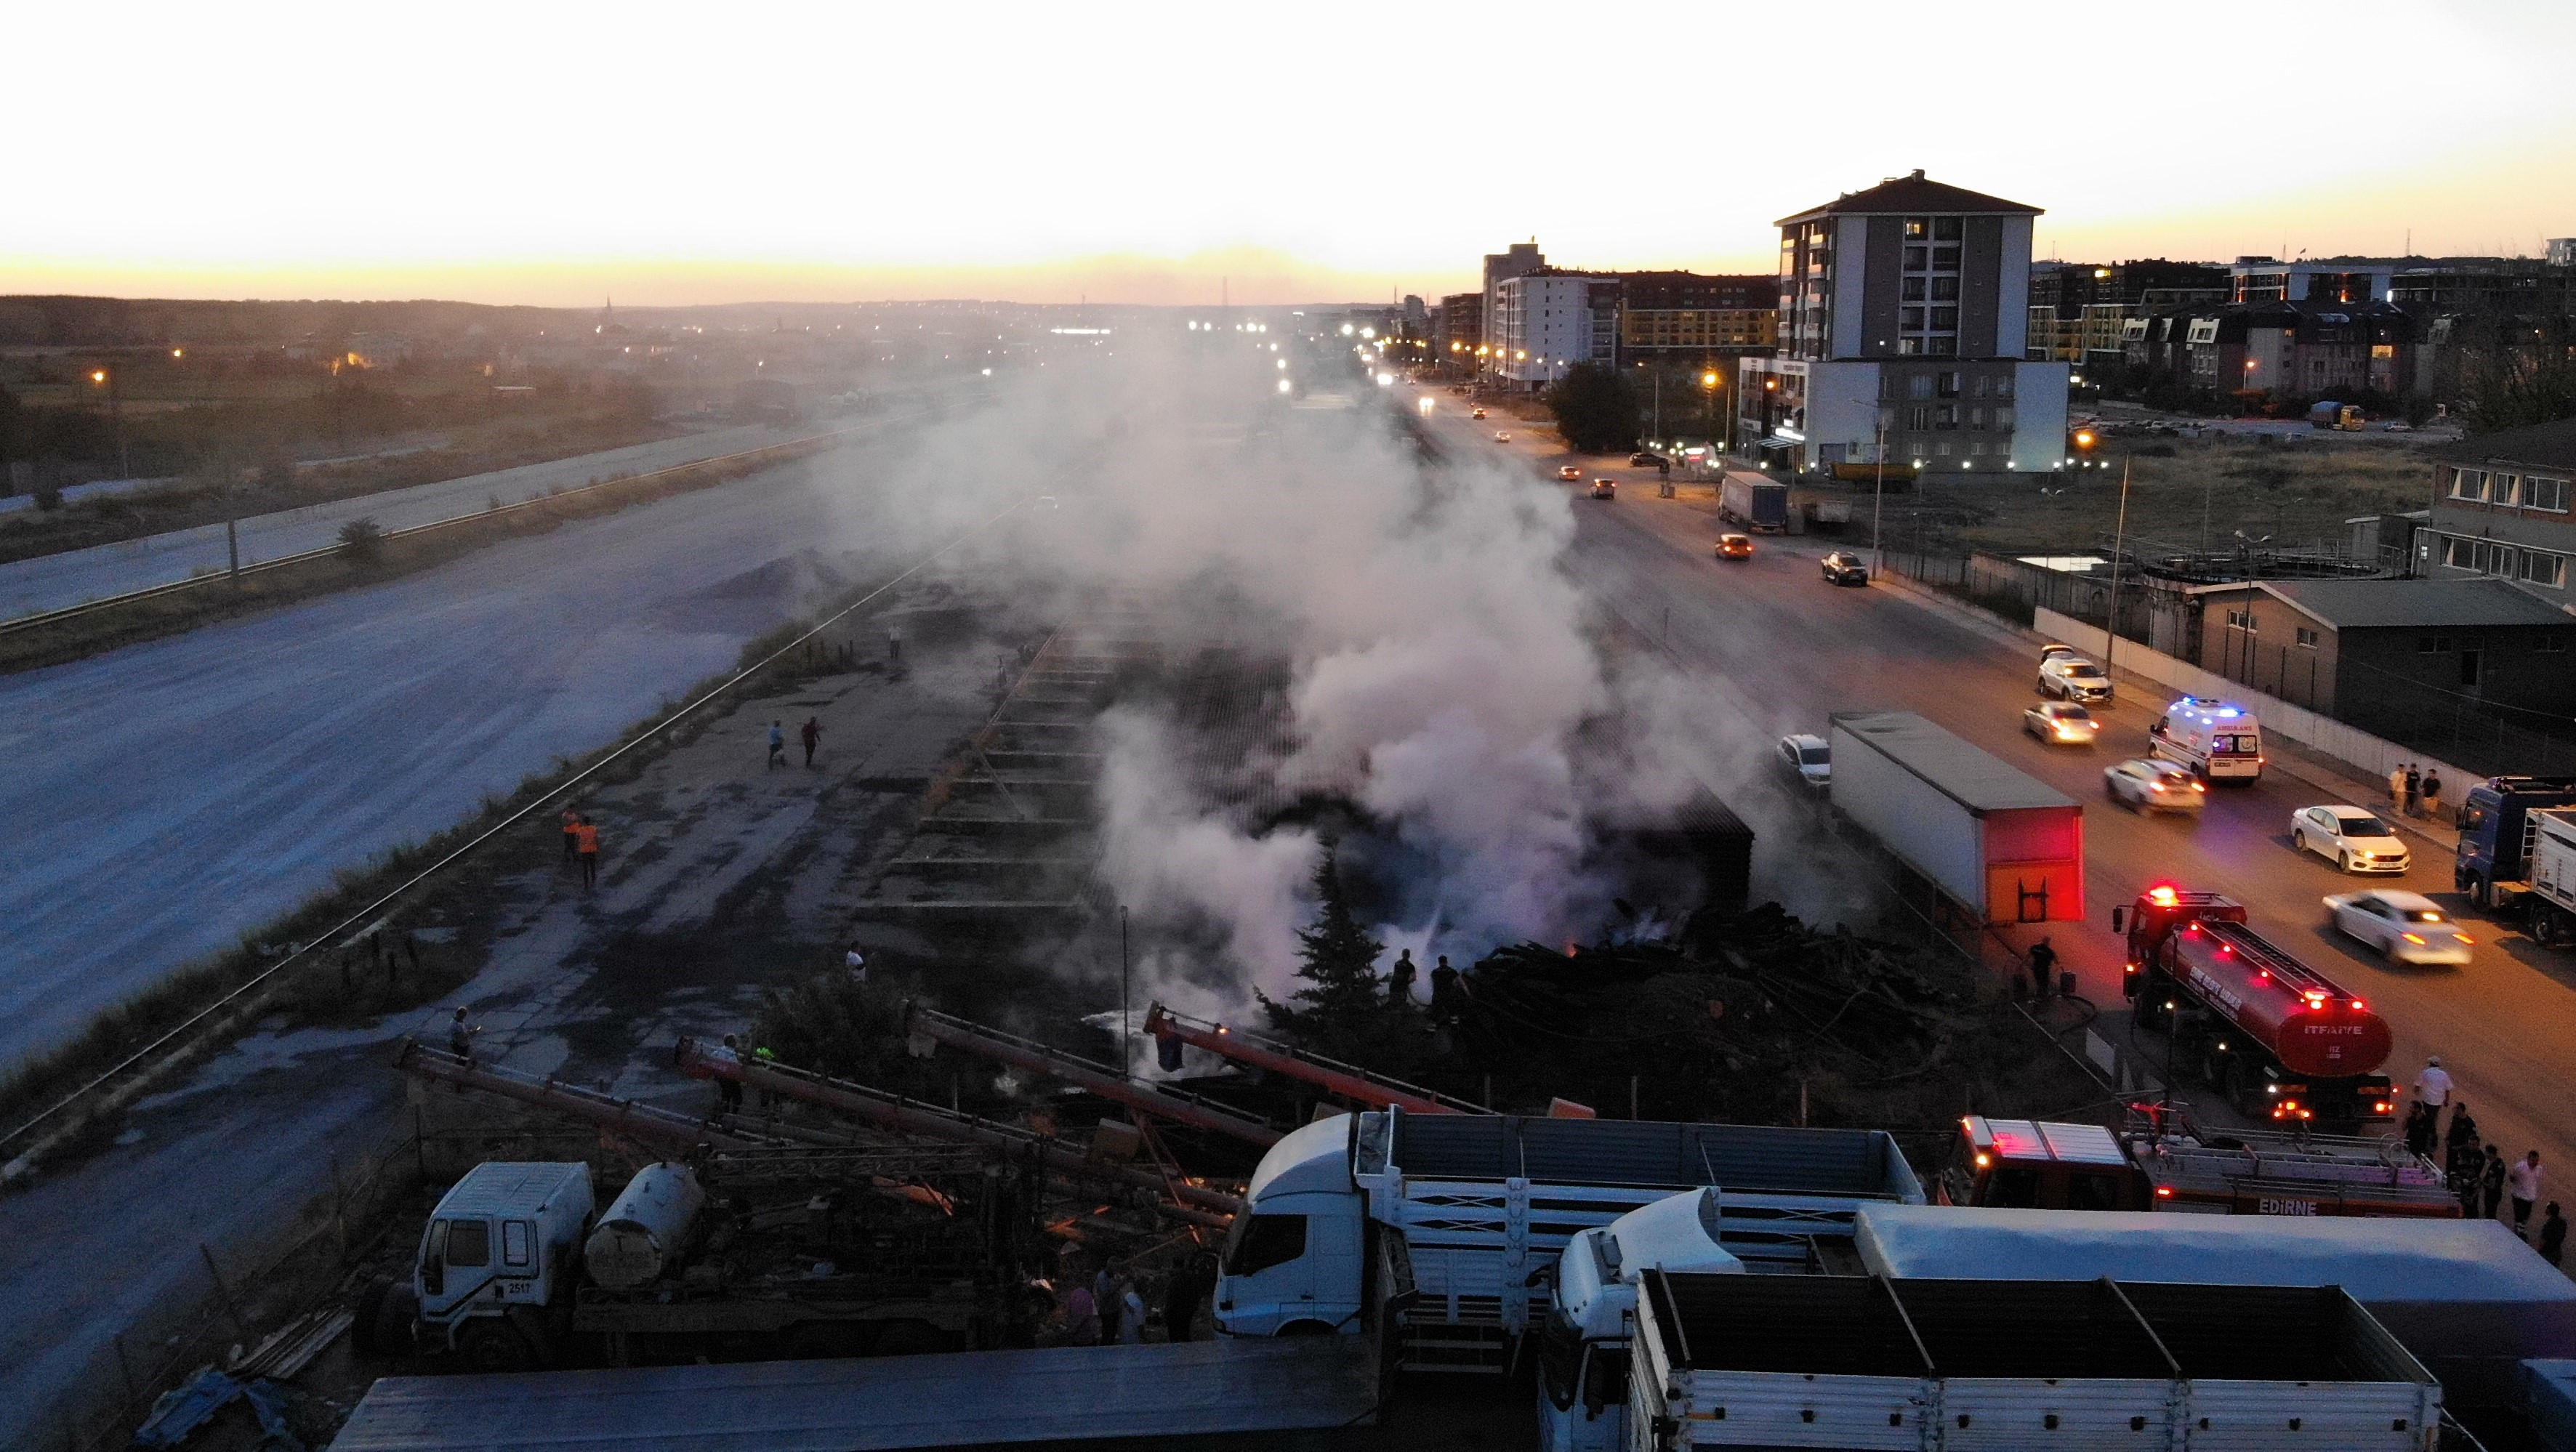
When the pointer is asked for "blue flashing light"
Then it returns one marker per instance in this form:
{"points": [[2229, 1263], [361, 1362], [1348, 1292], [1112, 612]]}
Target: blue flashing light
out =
{"points": [[2229, 711]]}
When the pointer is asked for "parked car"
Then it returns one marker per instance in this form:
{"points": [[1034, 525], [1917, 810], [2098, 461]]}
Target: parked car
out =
{"points": [[1842, 567], [2061, 723], [2154, 786], [2355, 840], [1644, 459], [2407, 926], [1571, 473], [2069, 676], [1735, 547], [1811, 757], [1605, 488]]}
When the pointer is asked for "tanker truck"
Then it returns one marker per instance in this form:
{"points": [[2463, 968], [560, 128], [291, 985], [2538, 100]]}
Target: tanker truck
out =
{"points": [[2279, 1040], [515, 1271]]}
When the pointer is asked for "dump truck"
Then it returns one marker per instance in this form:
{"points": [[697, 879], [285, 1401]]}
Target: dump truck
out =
{"points": [[1758, 505], [2276, 1038], [2159, 1160], [1868, 1362], [2497, 834], [516, 1271], [2549, 907], [2467, 1297], [1995, 843], [1437, 1231]]}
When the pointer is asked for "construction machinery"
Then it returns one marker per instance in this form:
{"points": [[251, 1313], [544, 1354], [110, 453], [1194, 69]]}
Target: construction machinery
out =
{"points": [[1174, 1031], [2160, 1160], [1163, 1102]]}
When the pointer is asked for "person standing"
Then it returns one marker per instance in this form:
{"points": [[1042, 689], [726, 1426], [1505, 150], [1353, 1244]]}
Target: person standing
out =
{"points": [[855, 963], [2523, 1182], [1081, 1317], [460, 1035], [811, 732], [2553, 1235], [1112, 1308], [2463, 1130], [2043, 968], [729, 1090], [1183, 1294], [2433, 1085], [2491, 1178], [571, 837], [1131, 1312], [1399, 980], [586, 839], [2414, 785], [2432, 794], [1444, 992], [777, 744], [2397, 787]]}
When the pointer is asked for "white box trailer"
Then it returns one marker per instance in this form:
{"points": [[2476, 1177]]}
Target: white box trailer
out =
{"points": [[1997, 843], [1868, 1363], [2467, 1297]]}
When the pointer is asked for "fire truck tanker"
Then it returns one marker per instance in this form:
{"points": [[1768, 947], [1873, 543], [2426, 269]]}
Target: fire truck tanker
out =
{"points": [[2280, 1040]]}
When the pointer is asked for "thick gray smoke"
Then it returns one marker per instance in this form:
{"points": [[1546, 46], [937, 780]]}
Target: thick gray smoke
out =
{"points": [[1441, 662]]}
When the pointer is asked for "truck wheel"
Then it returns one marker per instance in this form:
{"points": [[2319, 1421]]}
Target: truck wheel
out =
{"points": [[490, 1344], [383, 1324]]}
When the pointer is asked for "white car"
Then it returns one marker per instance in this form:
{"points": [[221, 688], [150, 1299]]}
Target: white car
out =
{"points": [[2154, 786], [2407, 926], [2061, 725], [1811, 758], [2068, 676], [1502, 436], [2353, 838]]}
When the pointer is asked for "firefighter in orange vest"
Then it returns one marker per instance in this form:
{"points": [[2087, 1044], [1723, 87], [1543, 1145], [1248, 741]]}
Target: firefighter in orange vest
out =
{"points": [[586, 834]]}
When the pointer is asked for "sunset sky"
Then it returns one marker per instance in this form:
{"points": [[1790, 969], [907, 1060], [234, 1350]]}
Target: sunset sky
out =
{"points": [[552, 153]]}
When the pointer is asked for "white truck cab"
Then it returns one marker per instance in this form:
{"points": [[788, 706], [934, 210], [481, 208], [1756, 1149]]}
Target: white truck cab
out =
{"points": [[2218, 739], [1291, 1264], [502, 1249], [1583, 1353]]}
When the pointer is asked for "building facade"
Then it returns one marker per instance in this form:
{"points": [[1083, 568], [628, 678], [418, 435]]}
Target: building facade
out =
{"points": [[2501, 509], [2312, 349], [2336, 280], [1681, 316], [1549, 320], [1458, 328], [1518, 260], [1903, 320]]}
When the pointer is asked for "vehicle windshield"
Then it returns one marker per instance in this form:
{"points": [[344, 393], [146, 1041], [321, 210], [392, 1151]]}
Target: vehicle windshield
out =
{"points": [[2070, 713], [2419, 915], [2085, 669], [1815, 756], [2244, 745], [2362, 827]]}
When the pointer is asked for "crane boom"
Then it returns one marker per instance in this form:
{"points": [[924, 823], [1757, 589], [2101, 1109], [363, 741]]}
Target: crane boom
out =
{"points": [[1162, 1103], [1334, 1077], [620, 1116]]}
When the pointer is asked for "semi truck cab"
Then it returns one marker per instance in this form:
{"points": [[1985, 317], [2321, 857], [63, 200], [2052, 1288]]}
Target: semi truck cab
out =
{"points": [[1291, 1265], [1583, 1348], [2496, 831]]}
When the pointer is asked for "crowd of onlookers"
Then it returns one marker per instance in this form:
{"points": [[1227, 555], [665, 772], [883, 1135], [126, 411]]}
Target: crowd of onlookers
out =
{"points": [[2479, 1173], [1099, 1302]]}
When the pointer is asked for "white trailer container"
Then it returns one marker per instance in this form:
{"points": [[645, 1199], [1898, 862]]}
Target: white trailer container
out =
{"points": [[2467, 1297], [2550, 906], [1999, 845], [1868, 1363]]}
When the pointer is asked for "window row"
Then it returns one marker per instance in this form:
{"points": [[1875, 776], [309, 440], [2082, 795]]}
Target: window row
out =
{"points": [[2511, 562], [1923, 417], [1941, 289], [1937, 259], [2494, 486], [1937, 229], [1942, 319], [1948, 384]]}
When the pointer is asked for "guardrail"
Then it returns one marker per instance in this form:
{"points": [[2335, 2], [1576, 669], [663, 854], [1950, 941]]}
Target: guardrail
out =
{"points": [[795, 447]]}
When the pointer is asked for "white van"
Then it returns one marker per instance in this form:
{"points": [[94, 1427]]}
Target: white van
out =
{"points": [[2218, 739]]}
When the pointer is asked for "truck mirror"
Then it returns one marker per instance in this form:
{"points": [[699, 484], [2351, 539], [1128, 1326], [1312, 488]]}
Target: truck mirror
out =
{"points": [[2119, 919]]}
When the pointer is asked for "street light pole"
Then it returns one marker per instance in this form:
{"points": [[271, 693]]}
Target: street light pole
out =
{"points": [[1878, 510], [1126, 1011], [2119, 551]]}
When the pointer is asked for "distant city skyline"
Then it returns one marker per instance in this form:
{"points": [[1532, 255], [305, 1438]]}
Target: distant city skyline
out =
{"points": [[1169, 154]]}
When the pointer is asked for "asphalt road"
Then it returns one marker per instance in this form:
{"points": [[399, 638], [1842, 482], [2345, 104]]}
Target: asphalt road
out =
{"points": [[347, 725], [52, 582], [1798, 649]]}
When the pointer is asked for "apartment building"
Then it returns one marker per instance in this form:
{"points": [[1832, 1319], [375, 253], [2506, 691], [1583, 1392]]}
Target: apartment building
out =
{"points": [[1549, 320]]}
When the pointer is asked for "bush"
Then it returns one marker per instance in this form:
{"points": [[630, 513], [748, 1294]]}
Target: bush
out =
{"points": [[362, 541]]}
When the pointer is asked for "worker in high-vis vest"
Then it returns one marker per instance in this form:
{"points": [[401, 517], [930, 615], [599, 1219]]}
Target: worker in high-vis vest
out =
{"points": [[586, 834]]}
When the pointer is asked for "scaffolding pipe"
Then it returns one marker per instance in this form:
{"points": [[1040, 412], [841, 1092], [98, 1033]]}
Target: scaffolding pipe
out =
{"points": [[898, 1115], [619, 1116], [1008, 1048], [1346, 1080]]}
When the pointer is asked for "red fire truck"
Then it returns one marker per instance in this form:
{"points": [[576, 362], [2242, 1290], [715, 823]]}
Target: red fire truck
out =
{"points": [[2280, 1040]]}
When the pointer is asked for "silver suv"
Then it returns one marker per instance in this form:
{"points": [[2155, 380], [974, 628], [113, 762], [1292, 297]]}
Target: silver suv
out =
{"points": [[2069, 676]]}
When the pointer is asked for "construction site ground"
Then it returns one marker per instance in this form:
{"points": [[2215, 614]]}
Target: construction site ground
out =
{"points": [[722, 878]]}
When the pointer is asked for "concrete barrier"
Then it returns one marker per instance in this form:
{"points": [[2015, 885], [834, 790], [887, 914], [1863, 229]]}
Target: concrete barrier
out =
{"points": [[2371, 755]]}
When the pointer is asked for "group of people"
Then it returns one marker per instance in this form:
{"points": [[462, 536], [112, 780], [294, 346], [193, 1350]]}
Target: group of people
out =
{"points": [[1108, 1307], [1448, 988], [581, 846], [811, 733], [2414, 793], [2477, 1169]]}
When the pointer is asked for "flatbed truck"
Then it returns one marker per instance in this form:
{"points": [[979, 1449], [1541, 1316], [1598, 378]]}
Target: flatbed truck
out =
{"points": [[2159, 1160]]}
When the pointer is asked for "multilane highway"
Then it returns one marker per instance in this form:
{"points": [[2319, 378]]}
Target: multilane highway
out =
{"points": [[1798, 649]]}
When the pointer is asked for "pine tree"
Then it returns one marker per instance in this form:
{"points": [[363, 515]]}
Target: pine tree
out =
{"points": [[1339, 999]]}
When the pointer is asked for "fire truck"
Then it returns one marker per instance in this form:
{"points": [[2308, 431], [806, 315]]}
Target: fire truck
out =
{"points": [[2159, 1160], [2279, 1040]]}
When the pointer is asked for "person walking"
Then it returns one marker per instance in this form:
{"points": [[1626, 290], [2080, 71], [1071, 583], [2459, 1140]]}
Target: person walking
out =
{"points": [[777, 744], [894, 645], [2432, 794], [2553, 1235], [2043, 968], [586, 840], [2433, 1084], [811, 733], [1399, 980], [2491, 1177], [2397, 787], [571, 837], [855, 963], [2522, 1182], [460, 1035]]}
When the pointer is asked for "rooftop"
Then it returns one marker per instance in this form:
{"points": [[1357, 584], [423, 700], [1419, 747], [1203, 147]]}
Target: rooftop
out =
{"points": [[2551, 445], [1911, 194], [1966, 775], [2368, 604]]}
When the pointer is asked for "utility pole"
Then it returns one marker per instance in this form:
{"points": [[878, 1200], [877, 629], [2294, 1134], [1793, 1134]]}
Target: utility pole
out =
{"points": [[1878, 509], [2119, 542], [1126, 1014]]}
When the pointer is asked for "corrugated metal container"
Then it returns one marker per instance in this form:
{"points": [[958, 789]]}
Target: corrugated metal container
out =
{"points": [[1994, 840]]}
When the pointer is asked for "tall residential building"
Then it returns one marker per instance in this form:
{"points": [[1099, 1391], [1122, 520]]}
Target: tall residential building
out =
{"points": [[1518, 260], [1549, 320], [1458, 328], [1690, 316], [1903, 317]]}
